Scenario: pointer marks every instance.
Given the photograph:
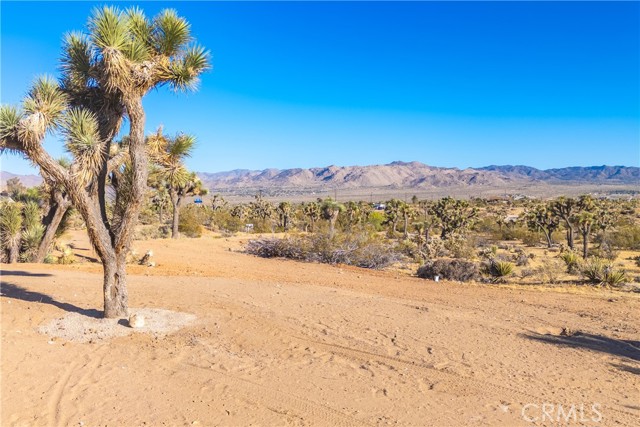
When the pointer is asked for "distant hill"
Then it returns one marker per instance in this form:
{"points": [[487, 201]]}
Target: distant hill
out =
{"points": [[415, 175], [27, 180]]}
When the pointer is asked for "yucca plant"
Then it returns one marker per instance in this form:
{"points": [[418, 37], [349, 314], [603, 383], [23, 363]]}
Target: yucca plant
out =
{"points": [[499, 270], [31, 238], [593, 270], [106, 72], [11, 229], [571, 261], [614, 277]]}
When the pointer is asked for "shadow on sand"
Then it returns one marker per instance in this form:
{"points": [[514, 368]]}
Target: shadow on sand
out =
{"points": [[24, 273], [9, 290], [622, 348]]}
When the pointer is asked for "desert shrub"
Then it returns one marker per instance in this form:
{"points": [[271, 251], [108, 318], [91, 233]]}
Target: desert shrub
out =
{"points": [[527, 272], [460, 247], [376, 219], [434, 249], [530, 238], [626, 237], [67, 256], [605, 251], [571, 261], [152, 232], [498, 270], [449, 269], [549, 272], [50, 259], [410, 250], [637, 260], [521, 259], [191, 220], [360, 250], [488, 252]]}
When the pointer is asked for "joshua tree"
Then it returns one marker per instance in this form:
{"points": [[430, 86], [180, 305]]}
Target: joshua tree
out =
{"points": [[454, 216], [106, 74], [240, 211], [261, 209], [168, 155], [312, 211], [218, 203], [330, 210], [565, 209], [407, 212], [392, 212], [429, 220], [541, 218], [160, 199], [284, 211], [58, 206], [352, 214], [585, 219]]}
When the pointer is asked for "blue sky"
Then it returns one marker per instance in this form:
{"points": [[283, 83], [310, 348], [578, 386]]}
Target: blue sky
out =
{"points": [[303, 84]]}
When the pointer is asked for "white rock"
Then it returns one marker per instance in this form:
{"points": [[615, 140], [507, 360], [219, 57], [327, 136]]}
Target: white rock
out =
{"points": [[136, 321]]}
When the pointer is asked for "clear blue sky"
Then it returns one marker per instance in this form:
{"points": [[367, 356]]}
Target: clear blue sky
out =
{"points": [[546, 84]]}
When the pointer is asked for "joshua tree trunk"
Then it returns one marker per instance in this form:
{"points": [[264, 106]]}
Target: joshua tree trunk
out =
{"points": [[569, 235], [176, 201], [52, 221], [332, 225], [406, 226], [160, 214], [547, 234], [116, 297], [14, 250], [585, 245]]}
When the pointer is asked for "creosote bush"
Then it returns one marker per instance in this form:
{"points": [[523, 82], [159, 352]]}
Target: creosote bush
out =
{"points": [[450, 269], [191, 220]]}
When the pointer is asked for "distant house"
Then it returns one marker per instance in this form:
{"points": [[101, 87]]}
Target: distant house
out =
{"points": [[379, 206], [6, 198]]}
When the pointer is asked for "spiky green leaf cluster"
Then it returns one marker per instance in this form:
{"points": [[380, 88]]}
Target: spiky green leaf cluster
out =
{"points": [[185, 71], [46, 99], [83, 141], [9, 120]]}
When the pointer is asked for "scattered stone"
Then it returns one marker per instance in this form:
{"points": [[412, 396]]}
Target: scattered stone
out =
{"points": [[136, 321]]}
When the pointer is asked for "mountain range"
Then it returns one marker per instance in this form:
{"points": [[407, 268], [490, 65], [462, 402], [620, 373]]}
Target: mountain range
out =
{"points": [[408, 176], [415, 175]]}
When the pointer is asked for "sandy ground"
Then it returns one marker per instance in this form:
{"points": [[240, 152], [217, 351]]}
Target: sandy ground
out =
{"points": [[276, 342]]}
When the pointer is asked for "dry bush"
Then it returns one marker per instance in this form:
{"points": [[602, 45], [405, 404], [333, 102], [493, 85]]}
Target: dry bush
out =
{"points": [[549, 272], [360, 250], [450, 269]]}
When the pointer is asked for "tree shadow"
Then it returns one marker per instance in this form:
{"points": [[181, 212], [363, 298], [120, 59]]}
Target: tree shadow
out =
{"points": [[24, 273], [9, 290], [622, 348], [627, 368]]}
